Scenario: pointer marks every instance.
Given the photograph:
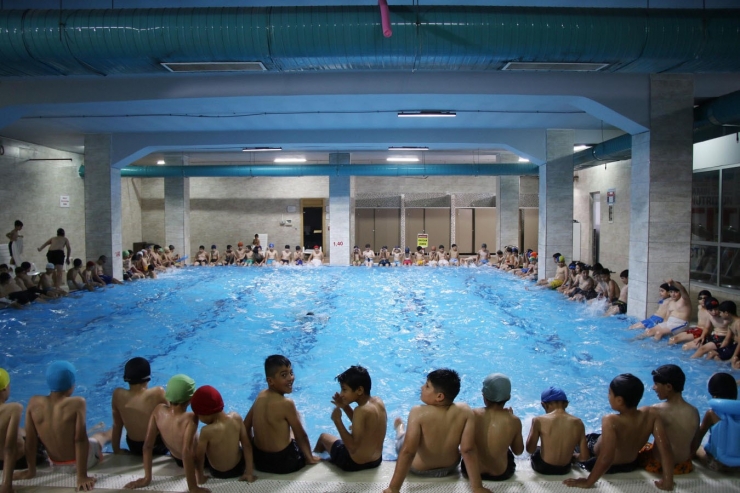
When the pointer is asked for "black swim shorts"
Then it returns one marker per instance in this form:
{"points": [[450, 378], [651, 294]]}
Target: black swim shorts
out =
{"points": [[341, 458]]}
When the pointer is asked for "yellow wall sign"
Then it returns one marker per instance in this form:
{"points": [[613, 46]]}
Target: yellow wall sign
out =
{"points": [[422, 240]]}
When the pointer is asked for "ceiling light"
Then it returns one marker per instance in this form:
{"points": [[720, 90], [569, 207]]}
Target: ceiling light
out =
{"points": [[161, 161], [580, 148], [523, 160], [261, 149], [290, 160], [402, 159], [408, 148], [426, 114]]}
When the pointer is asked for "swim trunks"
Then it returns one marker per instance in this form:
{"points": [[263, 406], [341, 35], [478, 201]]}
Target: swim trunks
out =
{"points": [[440, 472], [396, 263], [717, 340], [453, 261], [676, 325], [407, 262], [651, 322], [94, 456], [270, 261], [288, 460], [19, 464], [250, 261], [22, 297], [284, 262], [419, 262], [55, 257], [588, 465], [384, 262], [556, 283], [647, 460], [299, 262], [484, 261], [509, 472], [695, 331], [340, 457], [234, 472], [621, 305], [726, 352], [137, 448], [106, 279], [542, 467]]}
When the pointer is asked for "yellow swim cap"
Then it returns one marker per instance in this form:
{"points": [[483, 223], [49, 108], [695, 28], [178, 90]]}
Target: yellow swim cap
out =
{"points": [[4, 379]]}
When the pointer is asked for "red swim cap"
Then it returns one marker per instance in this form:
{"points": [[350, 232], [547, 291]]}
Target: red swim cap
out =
{"points": [[90, 263], [206, 400]]}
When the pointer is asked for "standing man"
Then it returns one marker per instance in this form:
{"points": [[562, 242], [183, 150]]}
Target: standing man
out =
{"points": [[55, 255]]}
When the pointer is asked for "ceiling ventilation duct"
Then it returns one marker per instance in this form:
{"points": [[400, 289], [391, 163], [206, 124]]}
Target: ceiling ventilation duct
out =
{"points": [[555, 67], [214, 66]]}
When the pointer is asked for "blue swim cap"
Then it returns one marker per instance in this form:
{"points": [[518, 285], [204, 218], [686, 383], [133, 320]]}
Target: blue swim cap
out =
{"points": [[553, 394], [272, 245], [60, 376]]}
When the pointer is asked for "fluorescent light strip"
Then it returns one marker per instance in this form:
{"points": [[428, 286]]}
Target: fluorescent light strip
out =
{"points": [[290, 160], [523, 160], [160, 162], [580, 148], [408, 148], [261, 149], [426, 114], [402, 159]]}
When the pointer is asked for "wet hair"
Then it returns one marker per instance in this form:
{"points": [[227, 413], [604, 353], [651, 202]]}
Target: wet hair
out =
{"points": [[26, 265], [445, 381], [228, 247], [453, 245], [367, 245], [441, 246], [298, 247], [629, 388], [18, 223], [721, 386], [499, 252], [60, 232], [19, 270], [287, 247], [202, 246], [77, 262], [355, 377], [704, 292], [625, 273], [418, 249], [172, 247], [274, 362], [670, 374], [664, 286], [726, 306], [4, 278], [103, 258]]}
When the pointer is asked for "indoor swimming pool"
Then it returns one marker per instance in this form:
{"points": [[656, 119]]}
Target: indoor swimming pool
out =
{"points": [[218, 325]]}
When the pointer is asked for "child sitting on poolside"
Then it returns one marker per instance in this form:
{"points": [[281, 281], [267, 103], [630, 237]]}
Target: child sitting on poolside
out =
{"points": [[11, 440], [560, 433], [438, 432], [298, 255], [215, 257], [201, 258], [500, 437], [680, 419], [272, 420], [178, 429], [229, 256], [624, 435], [702, 315], [223, 441], [58, 421], [721, 386], [728, 350], [133, 407], [285, 255], [368, 256], [363, 447]]}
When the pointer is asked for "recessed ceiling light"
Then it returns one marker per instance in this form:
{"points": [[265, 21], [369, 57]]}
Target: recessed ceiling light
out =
{"points": [[261, 149], [161, 161], [408, 148], [290, 160], [523, 160], [580, 148], [402, 159], [426, 114]]}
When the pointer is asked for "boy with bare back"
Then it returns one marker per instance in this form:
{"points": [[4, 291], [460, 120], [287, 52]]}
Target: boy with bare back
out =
{"points": [[178, 429], [279, 442], [55, 254], [560, 433], [58, 421], [561, 275], [623, 436], [11, 437], [678, 313], [363, 447], [223, 441], [438, 432], [14, 235], [133, 407], [500, 432], [619, 306]]}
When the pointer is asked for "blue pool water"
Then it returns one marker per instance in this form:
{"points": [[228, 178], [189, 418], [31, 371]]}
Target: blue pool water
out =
{"points": [[217, 325]]}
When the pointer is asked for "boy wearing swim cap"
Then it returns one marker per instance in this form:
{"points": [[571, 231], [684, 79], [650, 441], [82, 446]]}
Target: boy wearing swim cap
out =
{"points": [[178, 429], [723, 388], [362, 448], [11, 441], [496, 450], [271, 254], [273, 418], [438, 432], [317, 256], [681, 421], [58, 420], [133, 407], [285, 255], [623, 436], [223, 442], [559, 433]]}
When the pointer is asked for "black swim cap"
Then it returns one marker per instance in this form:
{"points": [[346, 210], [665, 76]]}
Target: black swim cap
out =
{"points": [[137, 370], [722, 386], [629, 388], [711, 303], [670, 374]]}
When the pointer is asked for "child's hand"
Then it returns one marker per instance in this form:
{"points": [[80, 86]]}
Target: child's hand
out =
{"points": [[251, 478], [85, 483], [336, 414], [139, 483], [337, 400], [577, 483]]}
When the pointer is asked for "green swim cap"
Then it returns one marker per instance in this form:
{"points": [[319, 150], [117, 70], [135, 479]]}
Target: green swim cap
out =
{"points": [[180, 389], [4, 379]]}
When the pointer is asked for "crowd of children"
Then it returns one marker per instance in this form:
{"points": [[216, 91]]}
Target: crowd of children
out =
{"points": [[437, 436], [254, 255]]}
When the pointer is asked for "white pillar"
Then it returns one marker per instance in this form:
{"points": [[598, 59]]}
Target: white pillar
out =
{"points": [[102, 204], [341, 194], [177, 214], [556, 201], [660, 193]]}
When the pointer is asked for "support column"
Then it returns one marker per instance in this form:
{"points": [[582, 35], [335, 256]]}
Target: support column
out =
{"points": [[177, 214], [403, 223], [341, 193], [660, 193], [102, 204], [556, 200], [507, 208]]}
